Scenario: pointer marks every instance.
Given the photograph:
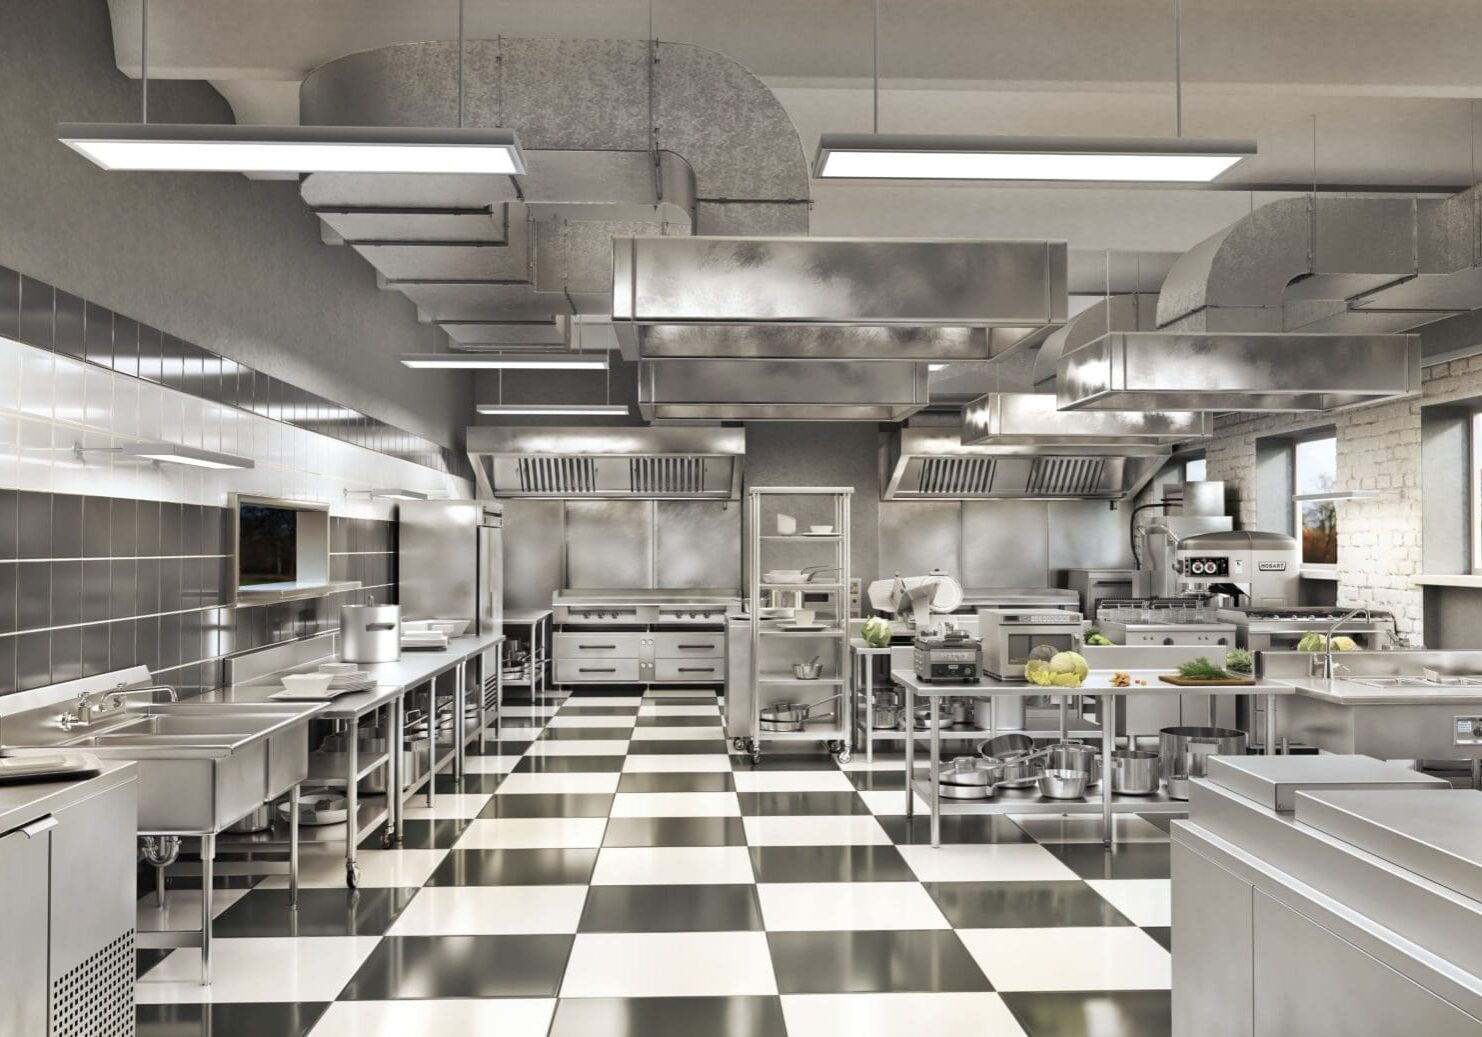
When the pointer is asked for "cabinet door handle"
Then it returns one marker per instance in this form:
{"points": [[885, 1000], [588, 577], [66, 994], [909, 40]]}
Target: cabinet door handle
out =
{"points": [[610, 648], [697, 646], [596, 669], [696, 669], [36, 827]]}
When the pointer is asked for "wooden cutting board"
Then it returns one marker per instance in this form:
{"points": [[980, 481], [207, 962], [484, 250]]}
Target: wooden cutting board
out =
{"points": [[1194, 682]]}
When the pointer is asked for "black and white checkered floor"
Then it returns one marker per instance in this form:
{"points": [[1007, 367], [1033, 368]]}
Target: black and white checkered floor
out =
{"points": [[609, 869]]}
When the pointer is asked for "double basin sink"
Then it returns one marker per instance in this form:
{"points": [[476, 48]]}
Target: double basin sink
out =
{"points": [[202, 765]]}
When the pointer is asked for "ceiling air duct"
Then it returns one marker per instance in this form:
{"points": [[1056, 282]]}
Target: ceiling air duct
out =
{"points": [[1031, 420], [933, 464], [608, 463], [1234, 371], [747, 390], [834, 299]]}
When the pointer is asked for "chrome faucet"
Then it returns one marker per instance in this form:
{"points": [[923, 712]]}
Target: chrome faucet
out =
{"points": [[91, 707], [1327, 646]]}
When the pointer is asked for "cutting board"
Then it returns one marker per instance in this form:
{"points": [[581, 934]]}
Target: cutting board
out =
{"points": [[1195, 682]]}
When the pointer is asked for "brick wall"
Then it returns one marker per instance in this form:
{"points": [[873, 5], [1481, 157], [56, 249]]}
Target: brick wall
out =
{"points": [[1379, 545]]}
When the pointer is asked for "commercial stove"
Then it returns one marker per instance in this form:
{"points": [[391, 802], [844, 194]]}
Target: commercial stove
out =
{"points": [[641, 636], [1277, 629], [1164, 621]]}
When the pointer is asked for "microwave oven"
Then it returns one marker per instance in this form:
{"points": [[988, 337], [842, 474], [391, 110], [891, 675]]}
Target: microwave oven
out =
{"points": [[1009, 635]]}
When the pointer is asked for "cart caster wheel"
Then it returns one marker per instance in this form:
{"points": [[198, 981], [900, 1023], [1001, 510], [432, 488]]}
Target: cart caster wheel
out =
{"points": [[756, 758], [738, 744], [352, 876], [844, 756], [388, 841]]}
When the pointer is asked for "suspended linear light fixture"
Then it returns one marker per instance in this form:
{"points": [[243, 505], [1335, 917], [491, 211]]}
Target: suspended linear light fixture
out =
{"points": [[387, 494], [512, 361], [190, 147], [574, 360], [877, 156]]}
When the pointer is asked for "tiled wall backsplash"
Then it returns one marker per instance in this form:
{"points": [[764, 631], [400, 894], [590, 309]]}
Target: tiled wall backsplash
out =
{"points": [[109, 561]]}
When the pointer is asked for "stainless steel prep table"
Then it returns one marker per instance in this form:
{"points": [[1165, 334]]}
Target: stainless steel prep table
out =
{"points": [[394, 681], [1098, 684]]}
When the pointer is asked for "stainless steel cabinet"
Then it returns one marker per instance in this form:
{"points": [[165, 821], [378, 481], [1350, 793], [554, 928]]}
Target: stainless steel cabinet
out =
{"points": [[689, 646], [598, 644], [25, 858]]}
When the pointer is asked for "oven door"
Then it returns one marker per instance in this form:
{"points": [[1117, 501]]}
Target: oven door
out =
{"points": [[1020, 642]]}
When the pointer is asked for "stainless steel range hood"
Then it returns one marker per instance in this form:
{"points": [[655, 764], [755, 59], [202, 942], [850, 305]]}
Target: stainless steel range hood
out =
{"points": [[747, 390], [1032, 420], [933, 464], [1234, 371], [834, 299], [604, 463]]}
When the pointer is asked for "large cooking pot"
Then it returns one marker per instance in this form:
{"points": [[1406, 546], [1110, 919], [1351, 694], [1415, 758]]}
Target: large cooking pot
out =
{"points": [[1184, 751], [1073, 756], [886, 714], [1135, 772], [969, 777]]}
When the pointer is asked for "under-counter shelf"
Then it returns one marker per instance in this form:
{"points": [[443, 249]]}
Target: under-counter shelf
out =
{"points": [[822, 681], [827, 632], [1029, 801]]}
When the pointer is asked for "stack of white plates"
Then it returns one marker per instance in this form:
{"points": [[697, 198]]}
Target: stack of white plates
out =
{"points": [[347, 678], [424, 639]]}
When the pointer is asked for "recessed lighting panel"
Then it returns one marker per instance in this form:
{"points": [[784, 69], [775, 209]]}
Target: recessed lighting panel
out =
{"points": [[526, 409]]}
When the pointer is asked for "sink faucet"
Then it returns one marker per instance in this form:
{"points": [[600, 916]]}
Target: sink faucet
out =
{"points": [[1327, 647], [91, 707]]}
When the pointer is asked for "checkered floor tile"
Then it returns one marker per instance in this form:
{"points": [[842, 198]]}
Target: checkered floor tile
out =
{"points": [[608, 868]]}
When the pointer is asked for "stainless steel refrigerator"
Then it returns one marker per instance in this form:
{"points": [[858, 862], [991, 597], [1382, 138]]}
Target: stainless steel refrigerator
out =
{"points": [[450, 562]]}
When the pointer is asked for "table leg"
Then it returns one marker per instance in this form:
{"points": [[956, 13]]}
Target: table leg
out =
{"points": [[395, 780], [1108, 741], [481, 706], [208, 859], [431, 741], [1065, 718], [936, 789], [867, 663], [499, 689], [910, 750], [1270, 725], [460, 719], [352, 798], [293, 846]]}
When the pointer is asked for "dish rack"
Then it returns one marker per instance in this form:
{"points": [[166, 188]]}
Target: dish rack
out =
{"points": [[808, 569]]}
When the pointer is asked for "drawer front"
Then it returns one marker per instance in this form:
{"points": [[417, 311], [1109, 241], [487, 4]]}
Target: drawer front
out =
{"points": [[596, 671], [704, 670], [597, 645], [671, 645]]}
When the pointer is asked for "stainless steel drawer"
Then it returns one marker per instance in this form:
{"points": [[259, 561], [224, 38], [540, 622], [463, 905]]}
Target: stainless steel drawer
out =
{"points": [[597, 644], [597, 670], [705, 670], [672, 645]]}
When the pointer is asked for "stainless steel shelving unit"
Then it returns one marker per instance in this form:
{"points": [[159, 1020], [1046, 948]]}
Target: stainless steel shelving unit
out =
{"points": [[536, 672], [775, 648]]}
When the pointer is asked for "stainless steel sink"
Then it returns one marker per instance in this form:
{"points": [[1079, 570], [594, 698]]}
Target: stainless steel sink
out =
{"points": [[201, 765]]}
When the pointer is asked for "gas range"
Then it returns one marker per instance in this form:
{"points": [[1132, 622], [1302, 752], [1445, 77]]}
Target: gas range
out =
{"points": [[637, 607], [1273, 628]]}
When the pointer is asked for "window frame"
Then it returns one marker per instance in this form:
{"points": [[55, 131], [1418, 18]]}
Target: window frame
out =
{"points": [[1300, 499], [1474, 490]]}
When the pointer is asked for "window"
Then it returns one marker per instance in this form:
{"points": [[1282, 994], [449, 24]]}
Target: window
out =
{"points": [[1315, 472]]}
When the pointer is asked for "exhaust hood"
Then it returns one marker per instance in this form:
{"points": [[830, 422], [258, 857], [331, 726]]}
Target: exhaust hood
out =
{"points": [[834, 299], [608, 463], [933, 464], [1149, 370], [1032, 420], [748, 390]]}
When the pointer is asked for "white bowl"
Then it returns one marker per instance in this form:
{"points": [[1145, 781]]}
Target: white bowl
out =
{"points": [[308, 683], [452, 627], [820, 529]]}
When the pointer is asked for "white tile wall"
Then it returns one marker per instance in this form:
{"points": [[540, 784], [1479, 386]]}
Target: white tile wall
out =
{"points": [[49, 404]]}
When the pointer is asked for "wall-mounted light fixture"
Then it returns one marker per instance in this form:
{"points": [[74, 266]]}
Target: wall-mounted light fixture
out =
{"points": [[388, 494], [171, 453]]}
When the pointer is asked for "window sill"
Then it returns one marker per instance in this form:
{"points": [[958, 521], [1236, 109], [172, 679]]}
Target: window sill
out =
{"points": [[1459, 580], [270, 592], [1330, 575]]}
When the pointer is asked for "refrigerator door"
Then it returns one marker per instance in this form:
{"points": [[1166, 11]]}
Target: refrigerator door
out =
{"points": [[491, 578]]}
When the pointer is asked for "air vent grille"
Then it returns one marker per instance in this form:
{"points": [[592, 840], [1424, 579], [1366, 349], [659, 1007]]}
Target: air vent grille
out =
{"points": [[673, 474], [956, 476], [558, 474], [1066, 476], [96, 998]]}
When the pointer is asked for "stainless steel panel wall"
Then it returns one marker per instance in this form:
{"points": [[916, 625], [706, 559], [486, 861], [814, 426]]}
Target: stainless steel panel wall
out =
{"points": [[919, 536], [1088, 535], [697, 543], [438, 559], [1005, 544], [534, 550], [609, 544]]}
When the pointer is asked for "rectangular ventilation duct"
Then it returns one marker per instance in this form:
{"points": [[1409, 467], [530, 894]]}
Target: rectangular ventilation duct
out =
{"points": [[742, 390], [1033, 420], [1150, 370]]}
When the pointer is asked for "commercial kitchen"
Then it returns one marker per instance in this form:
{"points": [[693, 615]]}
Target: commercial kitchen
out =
{"points": [[629, 518]]}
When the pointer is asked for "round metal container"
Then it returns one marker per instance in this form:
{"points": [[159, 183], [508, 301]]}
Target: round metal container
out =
{"points": [[1021, 770], [1059, 784], [969, 777], [1073, 756], [1006, 745], [257, 821], [1183, 751], [1135, 772]]}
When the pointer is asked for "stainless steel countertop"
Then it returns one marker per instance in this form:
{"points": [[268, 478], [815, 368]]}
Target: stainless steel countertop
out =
{"points": [[1349, 693], [1097, 683], [643, 596], [1274, 781], [21, 804], [392, 679], [523, 616]]}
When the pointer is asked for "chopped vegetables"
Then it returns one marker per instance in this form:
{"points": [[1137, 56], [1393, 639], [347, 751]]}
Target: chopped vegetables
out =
{"points": [[1238, 660]]}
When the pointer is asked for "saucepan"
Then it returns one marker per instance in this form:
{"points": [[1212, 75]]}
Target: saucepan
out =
{"points": [[786, 717], [969, 777]]}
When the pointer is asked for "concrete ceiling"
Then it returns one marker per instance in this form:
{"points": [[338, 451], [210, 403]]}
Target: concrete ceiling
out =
{"points": [[1387, 84]]}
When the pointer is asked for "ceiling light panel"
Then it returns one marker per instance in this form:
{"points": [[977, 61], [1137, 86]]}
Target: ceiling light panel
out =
{"points": [[294, 149], [178, 453], [564, 409], [507, 361], [1091, 159]]}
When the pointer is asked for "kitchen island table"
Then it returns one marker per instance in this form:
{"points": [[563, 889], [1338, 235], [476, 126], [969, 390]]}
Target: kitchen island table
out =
{"points": [[1030, 801]]}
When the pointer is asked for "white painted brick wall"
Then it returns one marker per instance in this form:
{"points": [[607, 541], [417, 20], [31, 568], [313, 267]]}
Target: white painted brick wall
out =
{"points": [[1379, 550]]}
